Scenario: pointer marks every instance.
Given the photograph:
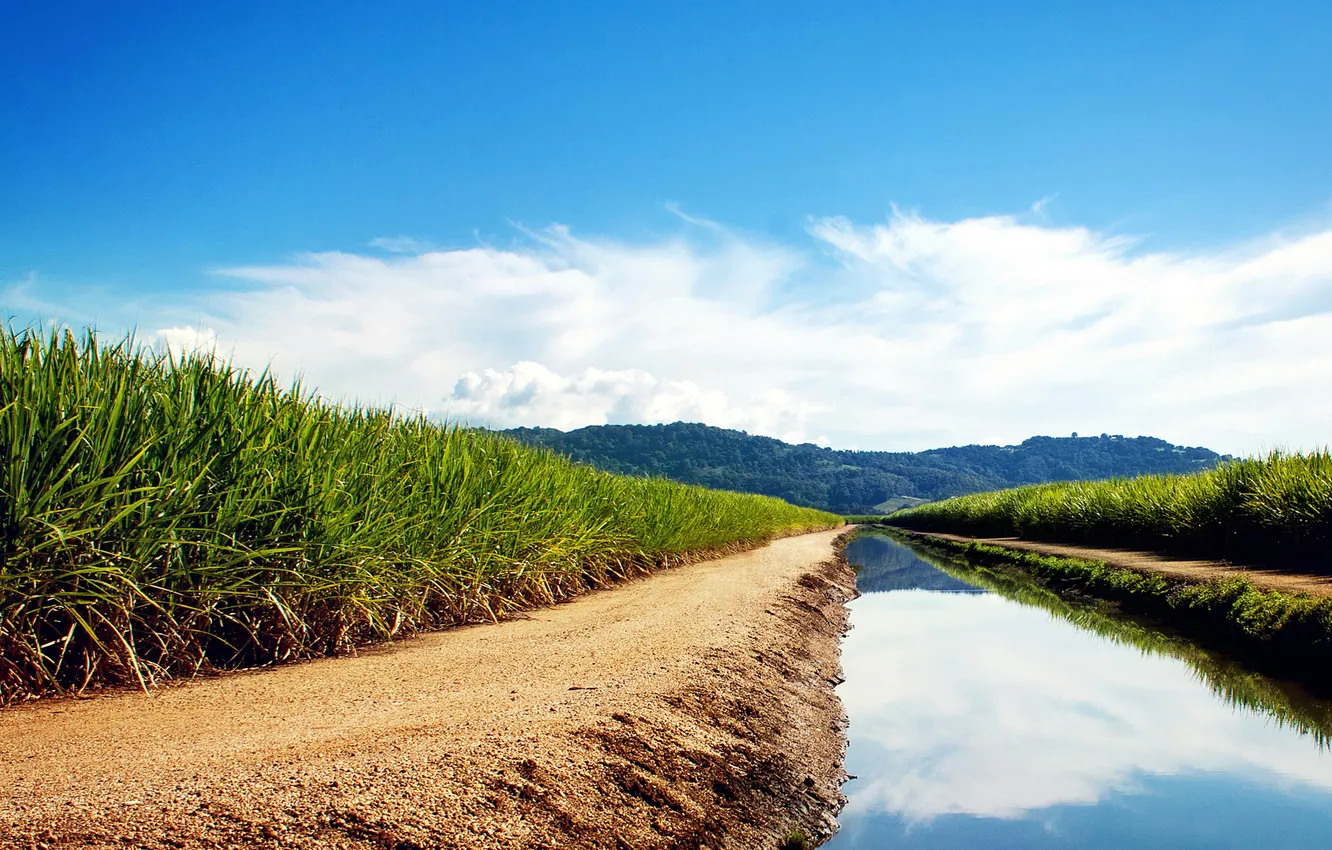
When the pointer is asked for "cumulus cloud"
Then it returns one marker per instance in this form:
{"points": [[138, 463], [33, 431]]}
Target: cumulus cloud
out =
{"points": [[530, 393], [187, 340], [907, 333]]}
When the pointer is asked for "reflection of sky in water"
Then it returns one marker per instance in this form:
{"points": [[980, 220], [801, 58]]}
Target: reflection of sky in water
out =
{"points": [[979, 721]]}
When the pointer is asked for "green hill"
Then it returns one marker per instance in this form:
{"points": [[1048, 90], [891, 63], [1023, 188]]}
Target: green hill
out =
{"points": [[850, 482]]}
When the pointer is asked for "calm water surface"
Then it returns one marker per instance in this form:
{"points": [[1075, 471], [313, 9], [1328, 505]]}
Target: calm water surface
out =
{"points": [[988, 714]]}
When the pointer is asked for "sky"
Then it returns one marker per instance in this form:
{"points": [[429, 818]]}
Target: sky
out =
{"points": [[867, 225]]}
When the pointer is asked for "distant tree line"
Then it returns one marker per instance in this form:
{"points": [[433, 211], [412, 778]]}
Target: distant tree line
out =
{"points": [[851, 482]]}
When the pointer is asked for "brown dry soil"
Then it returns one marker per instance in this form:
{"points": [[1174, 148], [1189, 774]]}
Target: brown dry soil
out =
{"points": [[693, 708], [1287, 581]]}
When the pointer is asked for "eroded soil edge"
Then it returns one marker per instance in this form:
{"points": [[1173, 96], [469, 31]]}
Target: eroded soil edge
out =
{"points": [[741, 745]]}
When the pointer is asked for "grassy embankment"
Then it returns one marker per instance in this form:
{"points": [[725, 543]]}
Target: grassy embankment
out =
{"points": [[1289, 705], [164, 517], [1273, 511], [1279, 633]]}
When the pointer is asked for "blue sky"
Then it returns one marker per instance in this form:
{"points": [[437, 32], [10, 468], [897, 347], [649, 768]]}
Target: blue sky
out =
{"points": [[144, 147]]}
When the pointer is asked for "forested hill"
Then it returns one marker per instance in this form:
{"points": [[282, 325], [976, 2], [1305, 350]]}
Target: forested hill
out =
{"points": [[856, 482]]}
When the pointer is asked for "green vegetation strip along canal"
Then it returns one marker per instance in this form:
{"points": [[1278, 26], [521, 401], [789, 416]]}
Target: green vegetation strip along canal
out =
{"points": [[987, 710], [1275, 511], [1279, 633]]}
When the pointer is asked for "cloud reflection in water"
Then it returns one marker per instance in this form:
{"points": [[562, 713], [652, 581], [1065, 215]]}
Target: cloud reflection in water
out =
{"points": [[971, 704]]}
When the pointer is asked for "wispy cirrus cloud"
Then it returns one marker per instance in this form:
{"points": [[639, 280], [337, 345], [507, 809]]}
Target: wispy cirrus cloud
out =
{"points": [[402, 244], [906, 333]]}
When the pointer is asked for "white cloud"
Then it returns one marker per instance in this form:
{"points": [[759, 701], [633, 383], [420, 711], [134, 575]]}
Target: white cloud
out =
{"points": [[187, 340], [1040, 206], [909, 333], [530, 393]]}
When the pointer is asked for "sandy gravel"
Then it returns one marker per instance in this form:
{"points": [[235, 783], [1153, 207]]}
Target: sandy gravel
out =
{"points": [[1288, 581], [693, 708]]}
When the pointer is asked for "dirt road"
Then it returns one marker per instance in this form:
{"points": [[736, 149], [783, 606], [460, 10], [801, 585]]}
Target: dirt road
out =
{"points": [[693, 708], [1288, 581]]}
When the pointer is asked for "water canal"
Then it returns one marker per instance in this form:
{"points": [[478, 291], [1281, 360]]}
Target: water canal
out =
{"points": [[990, 713]]}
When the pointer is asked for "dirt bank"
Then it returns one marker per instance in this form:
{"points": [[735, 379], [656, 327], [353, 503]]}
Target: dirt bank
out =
{"points": [[1287, 581], [690, 709]]}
